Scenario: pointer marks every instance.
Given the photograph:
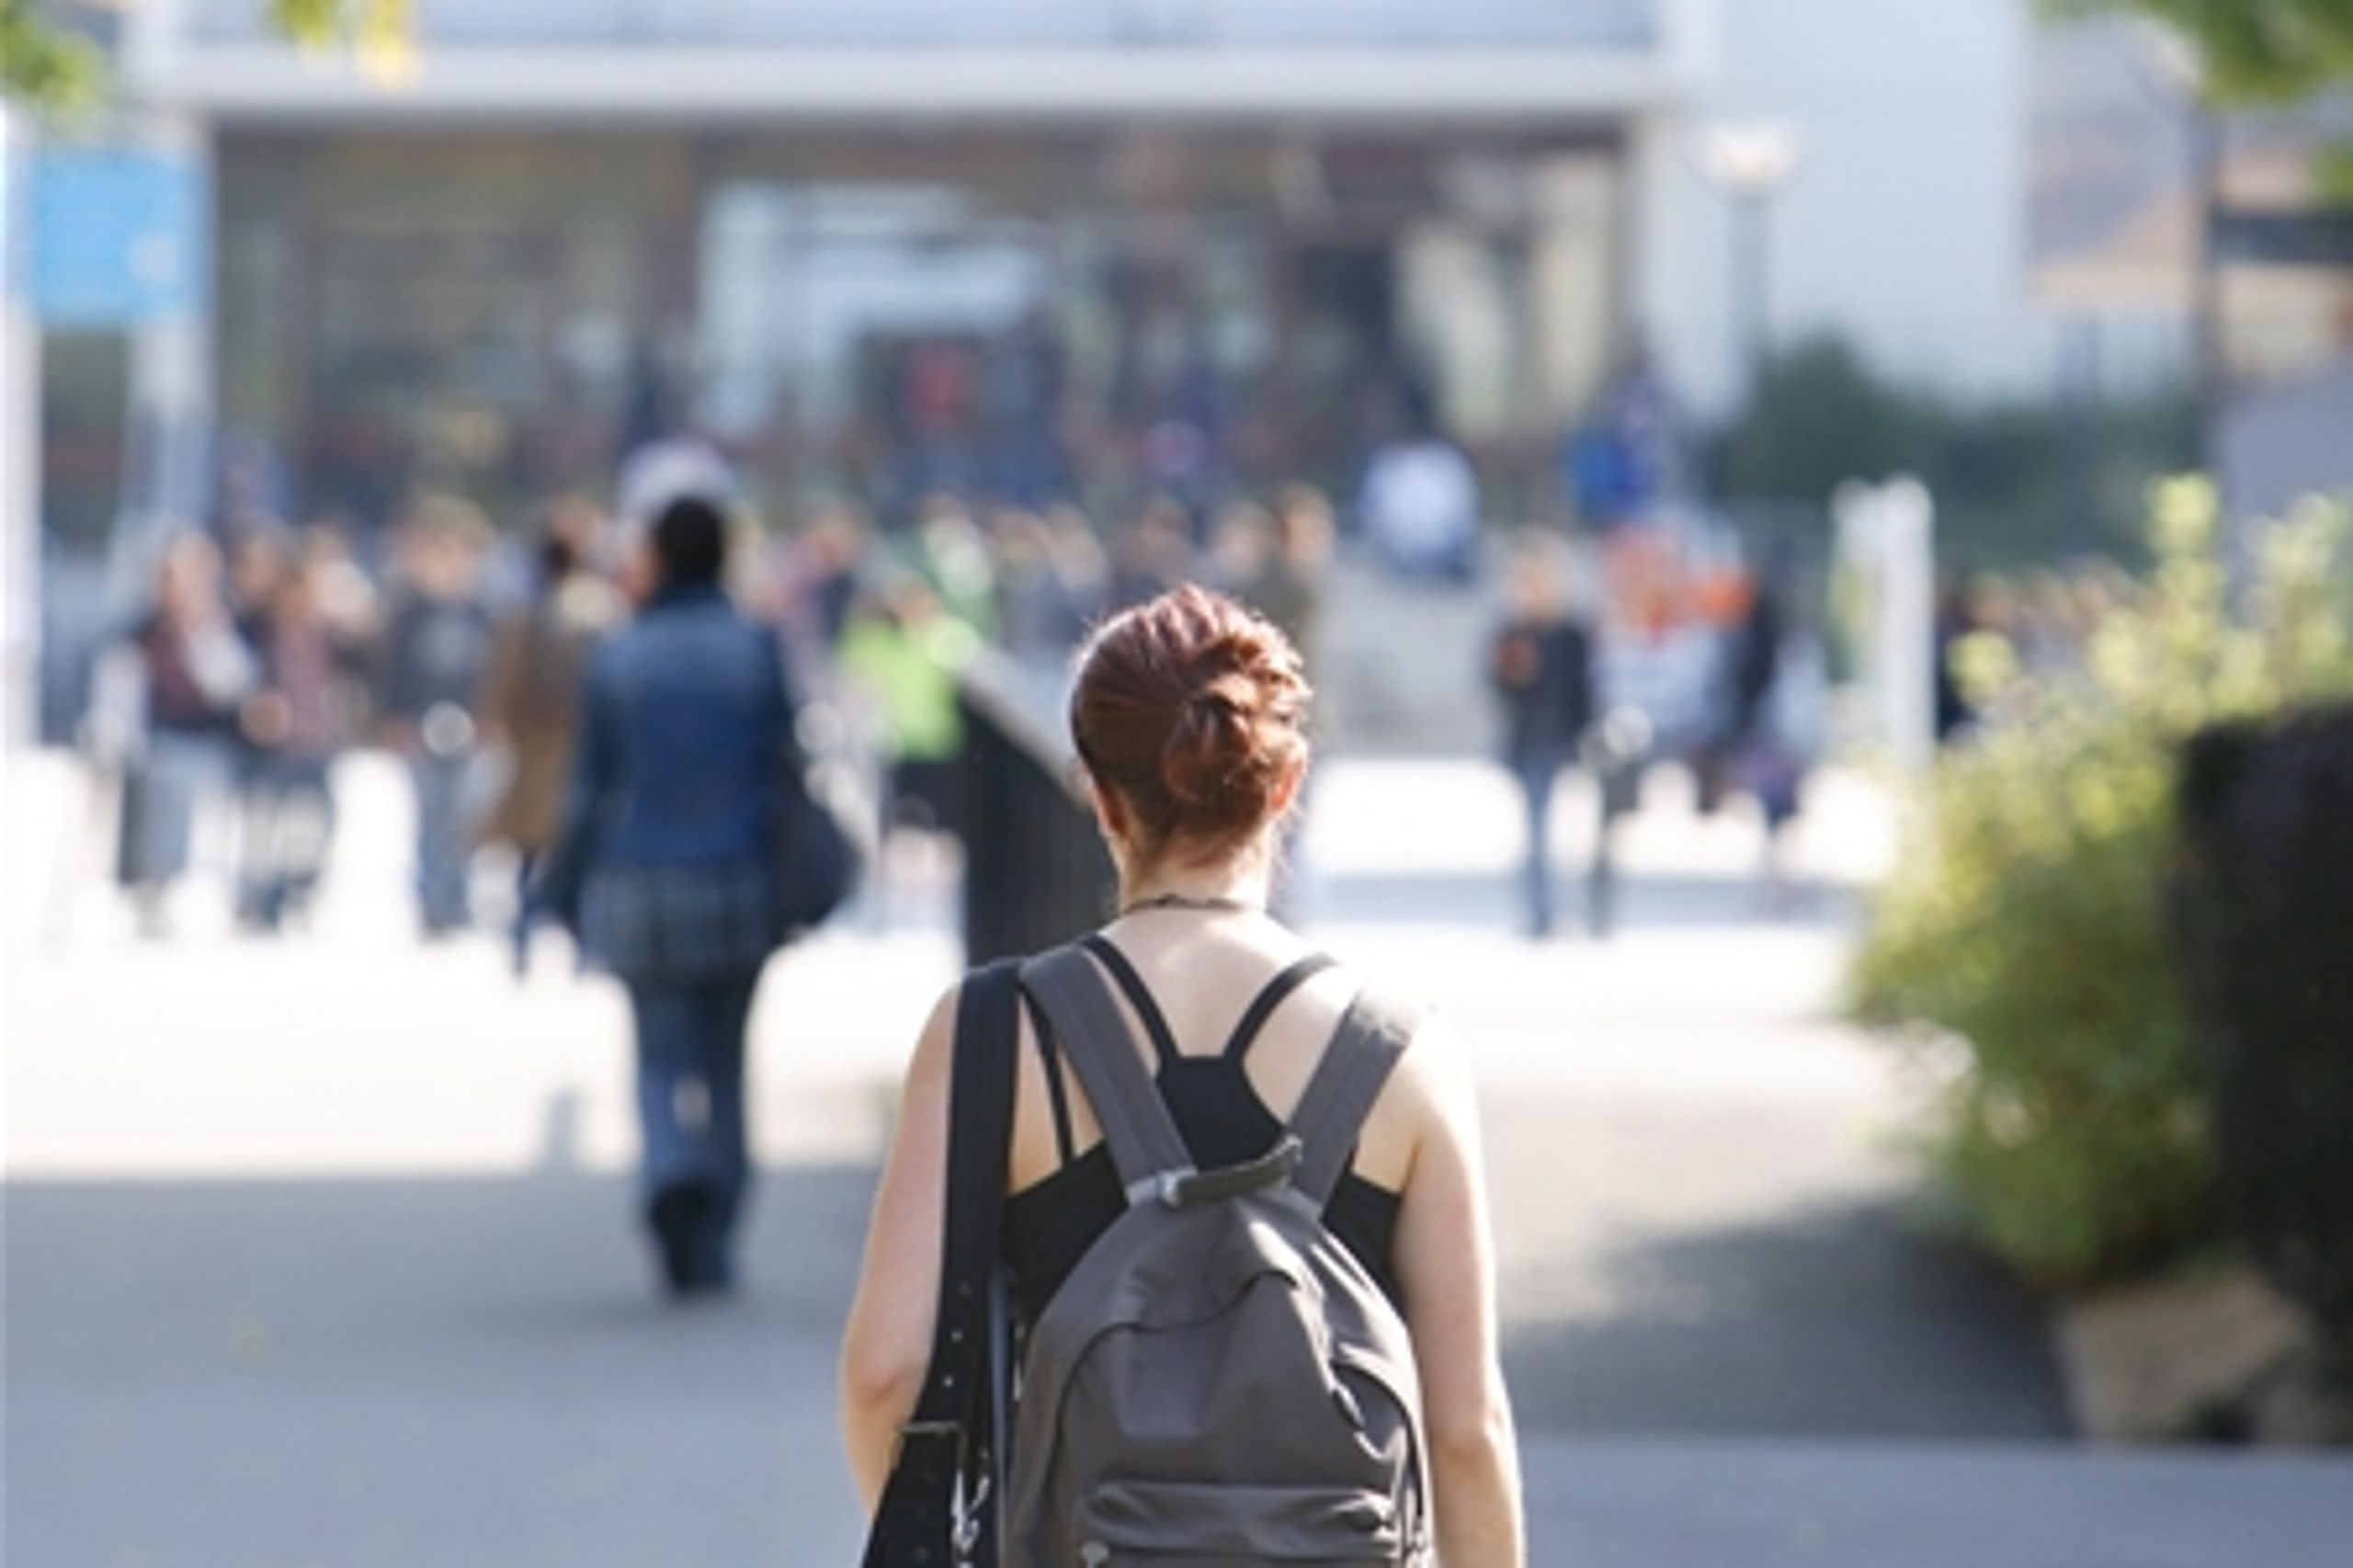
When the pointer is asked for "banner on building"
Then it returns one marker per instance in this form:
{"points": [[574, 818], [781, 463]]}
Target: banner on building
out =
{"points": [[118, 237]]}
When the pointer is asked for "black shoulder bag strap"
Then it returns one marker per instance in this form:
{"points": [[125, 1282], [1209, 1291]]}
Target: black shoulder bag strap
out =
{"points": [[939, 1506]]}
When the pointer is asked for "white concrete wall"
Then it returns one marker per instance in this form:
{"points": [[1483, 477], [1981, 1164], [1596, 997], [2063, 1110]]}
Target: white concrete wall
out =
{"points": [[1906, 230]]}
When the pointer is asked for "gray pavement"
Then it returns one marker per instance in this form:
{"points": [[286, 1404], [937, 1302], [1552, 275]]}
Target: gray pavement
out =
{"points": [[461, 1370], [1808, 1504], [317, 1253]]}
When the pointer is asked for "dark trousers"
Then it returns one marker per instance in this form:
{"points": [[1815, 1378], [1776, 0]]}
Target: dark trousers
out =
{"points": [[527, 913], [690, 1040], [1537, 776], [444, 845], [289, 830]]}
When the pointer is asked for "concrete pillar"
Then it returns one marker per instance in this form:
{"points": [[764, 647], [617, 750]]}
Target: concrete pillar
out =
{"points": [[1574, 283], [171, 426], [20, 429]]}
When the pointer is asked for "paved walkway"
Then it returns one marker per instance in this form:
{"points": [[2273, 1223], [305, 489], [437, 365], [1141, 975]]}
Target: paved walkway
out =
{"points": [[317, 1251]]}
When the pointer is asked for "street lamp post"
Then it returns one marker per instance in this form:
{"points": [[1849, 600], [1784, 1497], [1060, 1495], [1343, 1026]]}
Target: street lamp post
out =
{"points": [[1751, 164]]}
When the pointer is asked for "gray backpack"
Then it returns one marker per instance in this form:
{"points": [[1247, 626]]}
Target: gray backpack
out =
{"points": [[1220, 1380]]}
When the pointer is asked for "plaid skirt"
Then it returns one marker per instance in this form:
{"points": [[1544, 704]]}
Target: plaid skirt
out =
{"points": [[678, 925]]}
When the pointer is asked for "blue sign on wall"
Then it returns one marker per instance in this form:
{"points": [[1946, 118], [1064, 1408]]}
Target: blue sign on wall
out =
{"points": [[118, 237]]}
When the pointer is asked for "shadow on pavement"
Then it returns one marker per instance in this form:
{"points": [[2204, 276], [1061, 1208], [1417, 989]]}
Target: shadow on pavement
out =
{"points": [[476, 1370], [1849, 1321], [420, 1370]]}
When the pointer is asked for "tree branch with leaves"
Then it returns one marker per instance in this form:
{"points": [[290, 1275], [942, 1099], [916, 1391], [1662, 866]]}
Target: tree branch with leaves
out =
{"points": [[54, 70], [2249, 52], [45, 66]]}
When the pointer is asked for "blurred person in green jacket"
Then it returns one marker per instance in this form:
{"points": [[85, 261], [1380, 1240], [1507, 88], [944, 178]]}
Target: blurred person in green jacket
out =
{"points": [[905, 654]]}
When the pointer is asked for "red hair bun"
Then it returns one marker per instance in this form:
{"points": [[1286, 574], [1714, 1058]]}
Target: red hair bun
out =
{"points": [[1189, 707]]}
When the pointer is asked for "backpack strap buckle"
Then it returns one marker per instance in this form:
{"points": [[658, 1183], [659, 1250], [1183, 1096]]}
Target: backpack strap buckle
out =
{"points": [[1269, 1172], [1163, 1188], [928, 1432]]}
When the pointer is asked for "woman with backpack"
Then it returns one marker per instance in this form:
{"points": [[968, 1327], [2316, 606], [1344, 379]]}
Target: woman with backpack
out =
{"points": [[1241, 1233]]}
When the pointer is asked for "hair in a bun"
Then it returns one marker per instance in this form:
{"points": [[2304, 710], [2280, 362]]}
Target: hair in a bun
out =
{"points": [[1191, 708]]}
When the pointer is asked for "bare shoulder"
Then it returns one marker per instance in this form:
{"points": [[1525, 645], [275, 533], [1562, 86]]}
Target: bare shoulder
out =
{"points": [[936, 1045], [1425, 1101], [1432, 1076]]}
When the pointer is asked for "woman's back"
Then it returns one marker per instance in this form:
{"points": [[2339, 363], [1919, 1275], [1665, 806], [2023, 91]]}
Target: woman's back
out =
{"points": [[1237, 1020], [1203, 970]]}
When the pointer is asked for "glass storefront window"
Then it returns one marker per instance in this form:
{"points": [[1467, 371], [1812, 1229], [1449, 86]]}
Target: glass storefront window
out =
{"points": [[1024, 314]]}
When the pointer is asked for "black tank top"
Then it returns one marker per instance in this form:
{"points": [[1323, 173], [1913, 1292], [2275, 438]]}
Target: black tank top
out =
{"points": [[1050, 1224]]}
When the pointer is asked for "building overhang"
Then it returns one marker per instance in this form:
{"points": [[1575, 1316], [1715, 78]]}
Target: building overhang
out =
{"points": [[270, 83]]}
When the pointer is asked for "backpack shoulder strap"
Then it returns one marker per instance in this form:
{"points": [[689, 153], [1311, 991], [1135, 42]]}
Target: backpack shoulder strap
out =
{"points": [[1372, 1035], [1145, 1145]]}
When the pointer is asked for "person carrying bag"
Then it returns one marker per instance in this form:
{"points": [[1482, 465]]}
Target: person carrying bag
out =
{"points": [[692, 850], [1181, 1253]]}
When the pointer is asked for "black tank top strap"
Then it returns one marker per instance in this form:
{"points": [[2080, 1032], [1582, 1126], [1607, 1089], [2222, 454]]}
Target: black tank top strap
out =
{"points": [[1139, 995], [1273, 994], [1050, 1057]]}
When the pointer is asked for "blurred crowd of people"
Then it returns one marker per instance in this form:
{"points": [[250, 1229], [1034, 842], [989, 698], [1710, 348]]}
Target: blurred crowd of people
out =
{"points": [[460, 647], [1756, 725], [626, 710]]}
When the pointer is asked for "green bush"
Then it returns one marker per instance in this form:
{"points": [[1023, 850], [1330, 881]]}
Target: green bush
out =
{"points": [[2023, 942]]}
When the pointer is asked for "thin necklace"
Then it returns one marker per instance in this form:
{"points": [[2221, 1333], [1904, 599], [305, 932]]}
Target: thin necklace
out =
{"points": [[1188, 901]]}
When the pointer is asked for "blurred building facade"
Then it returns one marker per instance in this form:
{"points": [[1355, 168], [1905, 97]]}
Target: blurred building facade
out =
{"points": [[2136, 193], [1046, 242]]}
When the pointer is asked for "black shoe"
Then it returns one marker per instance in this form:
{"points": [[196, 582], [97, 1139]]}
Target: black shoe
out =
{"points": [[679, 1216]]}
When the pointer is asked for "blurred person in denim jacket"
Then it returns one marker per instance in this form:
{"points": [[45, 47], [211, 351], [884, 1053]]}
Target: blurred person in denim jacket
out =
{"points": [[686, 736]]}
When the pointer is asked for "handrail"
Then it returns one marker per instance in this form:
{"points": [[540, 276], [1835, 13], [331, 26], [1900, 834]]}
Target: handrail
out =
{"points": [[1036, 873]]}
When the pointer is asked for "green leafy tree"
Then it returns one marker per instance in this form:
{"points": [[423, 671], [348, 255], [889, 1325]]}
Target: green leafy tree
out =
{"points": [[59, 71], [378, 27], [44, 66], [2252, 51], [2013, 486]]}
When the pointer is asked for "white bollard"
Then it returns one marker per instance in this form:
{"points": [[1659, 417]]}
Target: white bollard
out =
{"points": [[1908, 622], [1887, 539]]}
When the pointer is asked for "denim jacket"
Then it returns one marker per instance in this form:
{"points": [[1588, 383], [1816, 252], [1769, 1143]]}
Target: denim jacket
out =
{"points": [[685, 724], [685, 735]]}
